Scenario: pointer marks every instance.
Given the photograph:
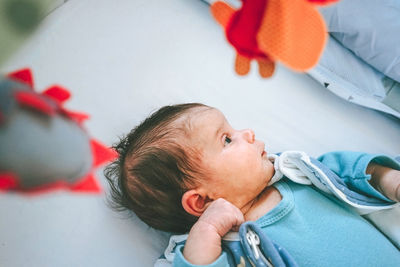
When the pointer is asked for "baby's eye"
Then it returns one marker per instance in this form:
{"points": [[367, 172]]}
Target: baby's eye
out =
{"points": [[227, 140]]}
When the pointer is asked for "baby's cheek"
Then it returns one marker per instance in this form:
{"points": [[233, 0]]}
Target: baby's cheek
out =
{"points": [[253, 167]]}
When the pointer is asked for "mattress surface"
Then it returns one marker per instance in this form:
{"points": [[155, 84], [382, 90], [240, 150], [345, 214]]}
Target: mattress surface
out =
{"points": [[124, 59]]}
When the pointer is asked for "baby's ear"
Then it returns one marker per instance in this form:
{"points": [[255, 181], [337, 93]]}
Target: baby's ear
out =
{"points": [[194, 202]]}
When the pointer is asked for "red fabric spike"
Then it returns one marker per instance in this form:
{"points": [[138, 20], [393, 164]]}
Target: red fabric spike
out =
{"points": [[57, 93], [34, 101], [8, 181], [79, 117], [23, 75], [87, 184], [101, 153]]}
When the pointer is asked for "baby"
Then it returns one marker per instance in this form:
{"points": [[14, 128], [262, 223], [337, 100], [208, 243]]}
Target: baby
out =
{"points": [[185, 169]]}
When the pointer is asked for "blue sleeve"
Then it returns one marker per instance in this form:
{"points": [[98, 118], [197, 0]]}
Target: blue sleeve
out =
{"points": [[352, 166], [180, 261]]}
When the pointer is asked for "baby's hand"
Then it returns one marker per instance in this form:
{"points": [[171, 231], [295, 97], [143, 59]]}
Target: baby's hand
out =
{"points": [[386, 180], [221, 216], [203, 245]]}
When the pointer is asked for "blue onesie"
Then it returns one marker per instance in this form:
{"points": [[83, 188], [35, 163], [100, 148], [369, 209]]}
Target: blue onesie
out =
{"points": [[319, 230]]}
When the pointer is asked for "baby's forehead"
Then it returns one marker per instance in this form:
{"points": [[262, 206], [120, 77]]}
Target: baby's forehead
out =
{"points": [[203, 125], [199, 117]]}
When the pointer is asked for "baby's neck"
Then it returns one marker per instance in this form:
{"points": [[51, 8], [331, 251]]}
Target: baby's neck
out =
{"points": [[262, 204]]}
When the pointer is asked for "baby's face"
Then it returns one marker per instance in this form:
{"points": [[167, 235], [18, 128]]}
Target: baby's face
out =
{"points": [[236, 163]]}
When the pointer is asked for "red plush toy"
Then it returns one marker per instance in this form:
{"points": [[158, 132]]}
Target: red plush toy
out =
{"points": [[44, 146], [291, 31]]}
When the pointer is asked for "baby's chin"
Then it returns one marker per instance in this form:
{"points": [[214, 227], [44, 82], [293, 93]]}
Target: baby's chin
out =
{"points": [[269, 173], [269, 165]]}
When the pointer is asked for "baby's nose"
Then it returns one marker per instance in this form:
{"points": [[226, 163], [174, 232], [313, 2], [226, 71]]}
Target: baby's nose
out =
{"points": [[249, 135]]}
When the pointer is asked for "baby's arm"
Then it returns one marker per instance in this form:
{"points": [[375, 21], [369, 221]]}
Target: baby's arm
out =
{"points": [[203, 245], [386, 180], [374, 175]]}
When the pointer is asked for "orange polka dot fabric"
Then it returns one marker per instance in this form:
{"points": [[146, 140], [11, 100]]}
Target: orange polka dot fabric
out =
{"points": [[291, 31]]}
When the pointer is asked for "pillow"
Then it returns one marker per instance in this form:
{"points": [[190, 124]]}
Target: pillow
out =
{"points": [[370, 29]]}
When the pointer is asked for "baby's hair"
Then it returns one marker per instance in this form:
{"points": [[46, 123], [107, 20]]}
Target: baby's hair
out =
{"points": [[156, 165]]}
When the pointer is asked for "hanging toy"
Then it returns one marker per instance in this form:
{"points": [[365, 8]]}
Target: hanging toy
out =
{"points": [[44, 146], [291, 31]]}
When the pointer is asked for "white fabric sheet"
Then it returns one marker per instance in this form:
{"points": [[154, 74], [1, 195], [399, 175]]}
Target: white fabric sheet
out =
{"points": [[122, 60]]}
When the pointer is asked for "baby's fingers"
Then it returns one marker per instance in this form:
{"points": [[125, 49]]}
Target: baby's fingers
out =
{"points": [[239, 219], [223, 216], [233, 215]]}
